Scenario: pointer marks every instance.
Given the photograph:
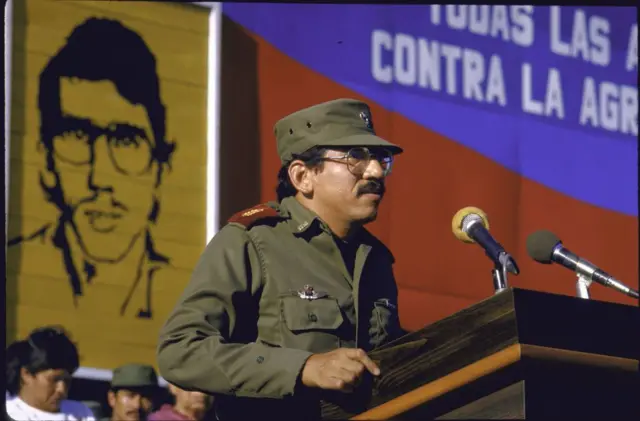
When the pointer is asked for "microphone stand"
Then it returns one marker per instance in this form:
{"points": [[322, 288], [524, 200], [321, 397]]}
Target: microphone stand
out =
{"points": [[582, 287], [499, 278], [500, 273]]}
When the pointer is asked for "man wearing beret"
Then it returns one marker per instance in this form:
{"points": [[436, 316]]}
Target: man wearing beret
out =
{"points": [[131, 393], [288, 296]]}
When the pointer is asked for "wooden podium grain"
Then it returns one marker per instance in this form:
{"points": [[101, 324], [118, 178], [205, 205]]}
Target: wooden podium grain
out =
{"points": [[520, 354]]}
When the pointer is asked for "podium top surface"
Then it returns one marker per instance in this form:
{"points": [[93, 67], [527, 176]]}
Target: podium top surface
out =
{"points": [[520, 316]]}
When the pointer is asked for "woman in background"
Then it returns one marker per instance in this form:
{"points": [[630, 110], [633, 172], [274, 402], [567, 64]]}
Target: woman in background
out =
{"points": [[39, 371], [189, 406]]}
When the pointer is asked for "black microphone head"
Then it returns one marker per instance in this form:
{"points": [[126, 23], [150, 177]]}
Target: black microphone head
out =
{"points": [[540, 246]]}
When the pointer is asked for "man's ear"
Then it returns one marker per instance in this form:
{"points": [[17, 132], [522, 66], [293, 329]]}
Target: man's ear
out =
{"points": [[161, 169], [111, 398], [48, 176], [301, 177], [25, 376]]}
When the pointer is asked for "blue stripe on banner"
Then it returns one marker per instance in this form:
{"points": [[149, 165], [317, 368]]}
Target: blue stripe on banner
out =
{"points": [[549, 92], [536, 150]]}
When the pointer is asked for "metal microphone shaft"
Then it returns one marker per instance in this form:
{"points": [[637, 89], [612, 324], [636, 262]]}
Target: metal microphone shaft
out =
{"points": [[587, 269], [545, 247], [472, 225]]}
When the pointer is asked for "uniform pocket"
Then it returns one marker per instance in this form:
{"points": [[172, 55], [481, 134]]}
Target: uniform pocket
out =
{"points": [[304, 315], [385, 314]]}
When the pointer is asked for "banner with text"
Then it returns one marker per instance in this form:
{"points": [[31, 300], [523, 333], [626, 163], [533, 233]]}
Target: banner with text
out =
{"points": [[527, 112], [549, 92]]}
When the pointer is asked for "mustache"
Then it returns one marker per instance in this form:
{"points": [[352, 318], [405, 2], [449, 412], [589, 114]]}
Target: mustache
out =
{"points": [[115, 203], [372, 186]]}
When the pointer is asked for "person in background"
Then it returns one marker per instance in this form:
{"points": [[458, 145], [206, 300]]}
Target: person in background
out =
{"points": [[38, 374], [133, 387], [189, 405]]}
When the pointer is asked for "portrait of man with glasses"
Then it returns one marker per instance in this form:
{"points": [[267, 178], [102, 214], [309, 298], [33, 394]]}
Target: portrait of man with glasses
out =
{"points": [[289, 296], [105, 153]]}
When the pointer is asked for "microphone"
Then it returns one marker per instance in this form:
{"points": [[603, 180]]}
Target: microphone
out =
{"points": [[471, 225], [544, 247]]}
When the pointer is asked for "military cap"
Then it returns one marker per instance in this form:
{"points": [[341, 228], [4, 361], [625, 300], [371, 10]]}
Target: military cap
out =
{"points": [[337, 123], [134, 375]]}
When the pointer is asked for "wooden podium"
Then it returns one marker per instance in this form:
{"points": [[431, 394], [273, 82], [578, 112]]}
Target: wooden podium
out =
{"points": [[520, 354]]}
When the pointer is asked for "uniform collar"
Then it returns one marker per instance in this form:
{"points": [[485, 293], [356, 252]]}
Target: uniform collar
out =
{"points": [[302, 220]]}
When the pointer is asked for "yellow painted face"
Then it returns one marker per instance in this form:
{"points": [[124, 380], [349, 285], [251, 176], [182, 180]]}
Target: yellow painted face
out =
{"points": [[103, 156]]}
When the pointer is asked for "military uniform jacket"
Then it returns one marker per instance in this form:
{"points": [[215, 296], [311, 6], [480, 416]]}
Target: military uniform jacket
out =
{"points": [[271, 288]]}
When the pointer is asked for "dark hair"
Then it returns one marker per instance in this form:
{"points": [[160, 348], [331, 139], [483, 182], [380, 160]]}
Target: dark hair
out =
{"points": [[104, 49], [312, 158], [45, 348]]}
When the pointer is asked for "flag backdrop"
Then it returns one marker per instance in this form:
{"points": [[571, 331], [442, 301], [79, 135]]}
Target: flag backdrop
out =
{"points": [[530, 113]]}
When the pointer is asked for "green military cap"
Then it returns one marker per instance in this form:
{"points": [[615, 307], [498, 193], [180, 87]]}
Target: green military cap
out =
{"points": [[134, 375], [339, 123]]}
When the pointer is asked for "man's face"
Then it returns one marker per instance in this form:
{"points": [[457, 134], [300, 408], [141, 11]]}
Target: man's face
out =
{"points": [[103, 156], [46, 388], [351, 192], [129, 404]]}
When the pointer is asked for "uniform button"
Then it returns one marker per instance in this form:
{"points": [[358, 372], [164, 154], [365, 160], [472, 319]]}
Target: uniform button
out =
{"points": [[313, 317], [260, 359]]}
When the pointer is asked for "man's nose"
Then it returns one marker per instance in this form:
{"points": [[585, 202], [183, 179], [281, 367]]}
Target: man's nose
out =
{"points": [[374, 170], [62, 387], [101, 167], [135, 402]]}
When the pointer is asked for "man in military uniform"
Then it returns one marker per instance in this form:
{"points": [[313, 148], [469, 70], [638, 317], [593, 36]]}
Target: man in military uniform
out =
{"points": [[288, 297]]}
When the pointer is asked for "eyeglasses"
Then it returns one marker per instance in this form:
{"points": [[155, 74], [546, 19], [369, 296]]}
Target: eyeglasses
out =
{"points": [[358, 159], [129, 148]]}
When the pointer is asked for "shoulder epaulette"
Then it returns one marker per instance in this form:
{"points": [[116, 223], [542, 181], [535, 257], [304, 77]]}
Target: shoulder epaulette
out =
{"points": [[249, 217]]}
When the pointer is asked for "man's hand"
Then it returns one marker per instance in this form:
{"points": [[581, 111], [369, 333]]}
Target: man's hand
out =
{"points": [[340, 370]]}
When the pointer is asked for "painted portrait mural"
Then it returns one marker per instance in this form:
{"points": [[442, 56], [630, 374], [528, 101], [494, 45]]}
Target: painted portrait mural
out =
{"points": [[107, 175]]}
